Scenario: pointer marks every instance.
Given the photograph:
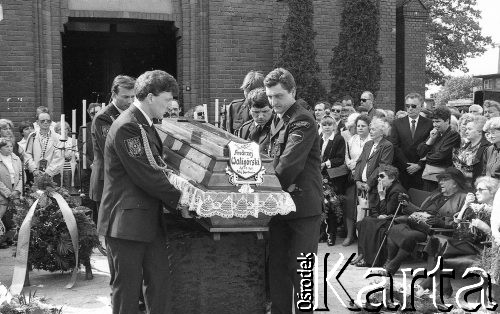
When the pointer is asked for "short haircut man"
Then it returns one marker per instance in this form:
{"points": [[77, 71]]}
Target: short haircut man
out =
{"points": [[367, 102], [238, 111], [295, 151], [135, 190]]}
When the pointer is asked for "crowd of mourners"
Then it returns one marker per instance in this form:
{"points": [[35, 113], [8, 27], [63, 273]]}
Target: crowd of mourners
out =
{"points": [[435, 170]]}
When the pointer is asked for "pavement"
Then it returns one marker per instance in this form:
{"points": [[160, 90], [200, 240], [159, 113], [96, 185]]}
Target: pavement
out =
{"points": [[92, 296]]}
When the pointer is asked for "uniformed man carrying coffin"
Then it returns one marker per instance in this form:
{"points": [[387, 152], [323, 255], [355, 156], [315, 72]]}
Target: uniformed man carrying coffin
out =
{"points": [[135, 186], [296, 151]]}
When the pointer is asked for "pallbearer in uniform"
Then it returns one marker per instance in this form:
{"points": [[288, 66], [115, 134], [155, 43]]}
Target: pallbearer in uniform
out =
{"points": [[131, 212], [257, 129], [296, 151]]}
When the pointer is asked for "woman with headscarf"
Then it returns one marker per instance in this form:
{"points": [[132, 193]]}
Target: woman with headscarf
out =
{"points": [[437, 209]]}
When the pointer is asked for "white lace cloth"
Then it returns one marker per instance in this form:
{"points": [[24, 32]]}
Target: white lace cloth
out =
{"points": [[231, 204]]}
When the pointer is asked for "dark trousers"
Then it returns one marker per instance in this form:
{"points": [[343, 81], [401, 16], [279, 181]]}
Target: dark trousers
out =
{"points": [[411, 181], [287, 239], [135, 262]]}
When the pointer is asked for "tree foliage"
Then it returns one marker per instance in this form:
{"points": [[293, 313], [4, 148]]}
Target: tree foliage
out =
{"points": [[458, 87], [298, 54], [355, 64], [454, 36]]}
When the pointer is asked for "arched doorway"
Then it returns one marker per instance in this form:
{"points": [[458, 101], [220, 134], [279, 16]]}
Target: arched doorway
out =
{"points": [[96, 50]]}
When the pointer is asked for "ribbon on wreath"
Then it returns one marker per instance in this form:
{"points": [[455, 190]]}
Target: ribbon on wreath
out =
{"points": [[23, 244]]}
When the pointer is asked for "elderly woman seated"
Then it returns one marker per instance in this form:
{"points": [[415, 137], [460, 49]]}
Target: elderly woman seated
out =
{"points": [[371, 229], [471, 227], [437, 210]]}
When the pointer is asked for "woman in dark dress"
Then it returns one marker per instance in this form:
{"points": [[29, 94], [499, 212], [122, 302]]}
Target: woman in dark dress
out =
{"points": [[332, 156], [371, 229], [440, 207]]}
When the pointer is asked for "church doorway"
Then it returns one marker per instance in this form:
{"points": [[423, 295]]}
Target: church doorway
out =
{"points": [[97, 50]]}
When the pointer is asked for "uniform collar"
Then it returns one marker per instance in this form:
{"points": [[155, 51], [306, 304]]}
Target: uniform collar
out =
{"points": [[137, 104]]}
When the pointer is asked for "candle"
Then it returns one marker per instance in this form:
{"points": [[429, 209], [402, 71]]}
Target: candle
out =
{"points": [[73, 121], [205, 112], [84, 112], [217, 112], [63, 128], [84, 134]]}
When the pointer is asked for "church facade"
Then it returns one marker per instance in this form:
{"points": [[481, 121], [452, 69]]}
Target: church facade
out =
{"points": [[58, 52]]}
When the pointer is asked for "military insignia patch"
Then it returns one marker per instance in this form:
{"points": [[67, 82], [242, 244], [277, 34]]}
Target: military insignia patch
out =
{"points": [[296, 137], [301, 124], [134, 147], [105, 130]]}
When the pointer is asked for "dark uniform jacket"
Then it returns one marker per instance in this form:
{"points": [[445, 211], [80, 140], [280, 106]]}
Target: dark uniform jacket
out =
{"points": [[491, 162], [260, 135], [383, 155], [100, 127], [296, 152], [89, 149], [441, 152], [131, 205], [405, 147], [237, 114]]}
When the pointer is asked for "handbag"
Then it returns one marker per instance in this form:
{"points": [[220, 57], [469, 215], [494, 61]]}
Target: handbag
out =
{"points": [[418, 221], [339, 171]]}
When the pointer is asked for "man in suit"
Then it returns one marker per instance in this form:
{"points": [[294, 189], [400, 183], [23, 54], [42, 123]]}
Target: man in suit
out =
{"points": [[135, 187], [122, 96], [92, 110], [238, 110], [319, 112], [406, 134], [257, 129], [367, 99], [296, 152]]}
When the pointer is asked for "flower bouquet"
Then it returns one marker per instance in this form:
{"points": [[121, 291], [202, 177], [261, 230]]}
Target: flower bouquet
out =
{"points": [[53, 229], [24, 304]]}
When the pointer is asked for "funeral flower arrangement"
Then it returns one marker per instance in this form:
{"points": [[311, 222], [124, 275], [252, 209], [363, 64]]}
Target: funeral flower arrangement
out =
{"points": [[24, 304], [50, 243]]}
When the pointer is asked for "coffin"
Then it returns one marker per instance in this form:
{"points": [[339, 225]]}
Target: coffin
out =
{"points": [[216, 188]]}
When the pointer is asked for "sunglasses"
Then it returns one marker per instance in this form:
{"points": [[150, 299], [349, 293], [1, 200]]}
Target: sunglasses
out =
{"points": [[45, 121], [336, 110], [364, 99], [381, 175], [411, 106]]}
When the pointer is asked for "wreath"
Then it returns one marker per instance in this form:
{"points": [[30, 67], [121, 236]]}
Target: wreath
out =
{"points": [[50, 246]]}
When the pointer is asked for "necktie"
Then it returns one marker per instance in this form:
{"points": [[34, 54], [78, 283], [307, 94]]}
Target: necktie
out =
{"points": [[412, 128], [255, 136], [276, 121]]}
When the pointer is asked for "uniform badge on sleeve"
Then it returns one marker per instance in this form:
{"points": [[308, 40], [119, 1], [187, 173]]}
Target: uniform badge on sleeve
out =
{"points": [[134, 147], [105, 130], [301, 124], [296, 137]]}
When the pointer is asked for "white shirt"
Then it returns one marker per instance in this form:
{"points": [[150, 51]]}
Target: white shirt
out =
{"points": [[138, 105], [355, 147], [363, 175], [416, 121], [7, 161], [323, 147]]}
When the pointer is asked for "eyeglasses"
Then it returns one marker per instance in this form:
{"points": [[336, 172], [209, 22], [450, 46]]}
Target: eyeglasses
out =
{"points": [[7, 127], [381, 176], [337, 110], [364, 99], [45, 121], [413, 106]]}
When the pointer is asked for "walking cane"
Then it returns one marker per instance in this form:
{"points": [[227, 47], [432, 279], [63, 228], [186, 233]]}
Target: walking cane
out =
{"points": [[390, 226]]}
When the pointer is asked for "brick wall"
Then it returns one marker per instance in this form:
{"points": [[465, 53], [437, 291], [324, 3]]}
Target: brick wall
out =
{"points": [[219, 41], [17, 78], [415, 23]]}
